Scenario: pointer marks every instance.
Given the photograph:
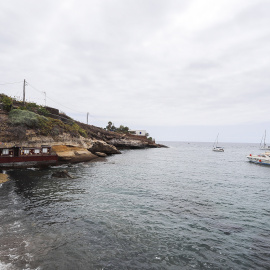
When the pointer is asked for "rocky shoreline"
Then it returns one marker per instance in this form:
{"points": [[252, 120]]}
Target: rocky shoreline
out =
{"points": [[72, 148]]}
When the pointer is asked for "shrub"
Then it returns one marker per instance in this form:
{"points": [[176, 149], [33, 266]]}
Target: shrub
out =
{"points": [[54, 127], [50, 126], [30, 106], [42, 111], [82, 132], [44, 125], [76, 130], [7, 103], [24, 118]]}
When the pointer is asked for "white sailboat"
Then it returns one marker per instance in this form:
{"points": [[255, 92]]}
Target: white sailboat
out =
{"points": [[263, 145], [217, 148]]}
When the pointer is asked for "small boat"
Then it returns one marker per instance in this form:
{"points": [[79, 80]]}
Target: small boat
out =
{"points": [[18, 157], [217, 148], [263, 145], [263, 159]]}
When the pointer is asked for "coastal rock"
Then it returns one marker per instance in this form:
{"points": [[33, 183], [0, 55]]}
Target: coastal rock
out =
{"points": [[72, 154], [72, 141], [100, 154], [3, 178], [62, 174], [101, 146], [125, 143]]}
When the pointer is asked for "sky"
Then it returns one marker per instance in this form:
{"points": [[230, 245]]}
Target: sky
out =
{"points": [[182, 70]]}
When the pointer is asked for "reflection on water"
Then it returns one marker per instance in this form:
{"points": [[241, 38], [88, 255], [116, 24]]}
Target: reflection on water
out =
{"points": [[185, 207]]}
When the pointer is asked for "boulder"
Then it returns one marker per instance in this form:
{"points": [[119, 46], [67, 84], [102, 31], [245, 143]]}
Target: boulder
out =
{"points": [[62, 174], [126, 143], [100, 154], [103, 147], [72, 154], [3, 178]]}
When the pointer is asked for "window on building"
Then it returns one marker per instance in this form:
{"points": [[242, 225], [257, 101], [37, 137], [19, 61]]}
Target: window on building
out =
{"points": [[5, 151], [44, 150], [36, 151], [26, 152]]}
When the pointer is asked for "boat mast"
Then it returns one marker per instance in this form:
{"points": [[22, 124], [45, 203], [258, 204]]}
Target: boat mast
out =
{"points": [[216, 142]]}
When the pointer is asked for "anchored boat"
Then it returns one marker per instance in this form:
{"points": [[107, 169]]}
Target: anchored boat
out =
{"points": [[11, 157], [263, 145], [260, 159], [217, 148]]}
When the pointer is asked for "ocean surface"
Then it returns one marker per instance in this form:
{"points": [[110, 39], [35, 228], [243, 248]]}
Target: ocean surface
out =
{"points": [[183, 207]]}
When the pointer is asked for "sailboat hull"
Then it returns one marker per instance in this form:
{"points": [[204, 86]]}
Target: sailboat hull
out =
{"points": [[218, 149]]}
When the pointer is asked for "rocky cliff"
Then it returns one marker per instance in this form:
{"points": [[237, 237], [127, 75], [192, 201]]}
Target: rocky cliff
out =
{"points": [[20, 127]]}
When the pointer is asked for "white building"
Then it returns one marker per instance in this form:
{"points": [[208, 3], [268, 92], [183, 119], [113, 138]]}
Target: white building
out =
{"points": [[138, 132]]}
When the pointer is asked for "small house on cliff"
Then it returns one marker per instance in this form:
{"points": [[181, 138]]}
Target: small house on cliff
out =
{"points": [[138, 132]]}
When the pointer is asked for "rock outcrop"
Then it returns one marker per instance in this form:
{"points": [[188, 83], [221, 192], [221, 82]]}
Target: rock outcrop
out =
{"points": [[3, 178], [62, 174], [72, 141], [102, 146], [125, 143], [99, 154], [72, 154]]}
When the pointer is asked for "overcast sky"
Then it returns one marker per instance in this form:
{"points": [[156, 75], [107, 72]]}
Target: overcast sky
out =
{"points": [[182, 70]]}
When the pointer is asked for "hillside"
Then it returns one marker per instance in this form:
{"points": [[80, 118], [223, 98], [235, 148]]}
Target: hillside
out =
{"points": [[32, 125]]}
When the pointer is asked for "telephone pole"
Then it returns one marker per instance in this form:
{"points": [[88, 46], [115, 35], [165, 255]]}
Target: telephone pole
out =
{"points": [[45, 98], [24, 92]]}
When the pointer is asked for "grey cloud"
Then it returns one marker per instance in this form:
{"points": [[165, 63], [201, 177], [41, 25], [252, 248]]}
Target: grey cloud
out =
{"points": [[130, 59]]}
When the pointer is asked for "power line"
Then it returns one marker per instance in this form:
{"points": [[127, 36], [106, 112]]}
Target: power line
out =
{"points": [[52, 99], [26, 83], [34, 88], [10, 83]]}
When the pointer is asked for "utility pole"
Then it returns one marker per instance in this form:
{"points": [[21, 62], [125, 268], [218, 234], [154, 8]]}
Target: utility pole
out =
{"points": [[87, 117], [45, 97], [24, 92]]}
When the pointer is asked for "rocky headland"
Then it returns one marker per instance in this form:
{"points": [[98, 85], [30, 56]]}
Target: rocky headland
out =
{"points": [[31, 125]]}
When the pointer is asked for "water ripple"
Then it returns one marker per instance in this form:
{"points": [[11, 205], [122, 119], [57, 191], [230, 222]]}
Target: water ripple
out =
{"points": [[179, 208]]}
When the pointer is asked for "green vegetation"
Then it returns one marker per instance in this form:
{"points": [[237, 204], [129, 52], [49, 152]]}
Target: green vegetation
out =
{"points": [[121, 129], [7, 102], [33, 107], [110, 126], [50, 126], [44, 125], [31, 115], [42, 111], [24, 118]]}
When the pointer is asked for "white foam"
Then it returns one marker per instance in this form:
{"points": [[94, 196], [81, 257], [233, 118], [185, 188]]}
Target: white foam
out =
{"points": [[5, 266], [26, 243]]}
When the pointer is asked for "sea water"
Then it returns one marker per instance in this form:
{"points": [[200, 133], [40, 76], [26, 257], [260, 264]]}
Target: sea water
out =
{"points": [[183, 207]]}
